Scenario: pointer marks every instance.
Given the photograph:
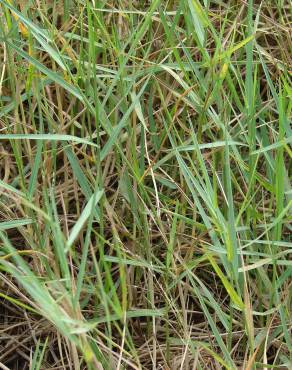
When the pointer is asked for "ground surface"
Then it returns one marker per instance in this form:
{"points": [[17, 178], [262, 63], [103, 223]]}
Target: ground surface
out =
{"points": [[145, 184]]}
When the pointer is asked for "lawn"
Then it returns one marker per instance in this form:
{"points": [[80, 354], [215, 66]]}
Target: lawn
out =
{"points": [[145, 184]]}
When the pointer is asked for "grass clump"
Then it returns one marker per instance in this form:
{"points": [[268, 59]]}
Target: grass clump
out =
{"points": [[145, 192]]}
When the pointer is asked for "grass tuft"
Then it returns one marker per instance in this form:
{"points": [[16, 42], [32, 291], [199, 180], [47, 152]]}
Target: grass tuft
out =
{"points": [[145, 184]]}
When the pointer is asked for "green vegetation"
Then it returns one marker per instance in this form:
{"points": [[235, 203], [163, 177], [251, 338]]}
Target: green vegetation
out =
{"points": [[145, 192]]}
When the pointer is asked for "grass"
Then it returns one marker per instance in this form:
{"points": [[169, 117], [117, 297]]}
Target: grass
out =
{"points": [[145, 192]]}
